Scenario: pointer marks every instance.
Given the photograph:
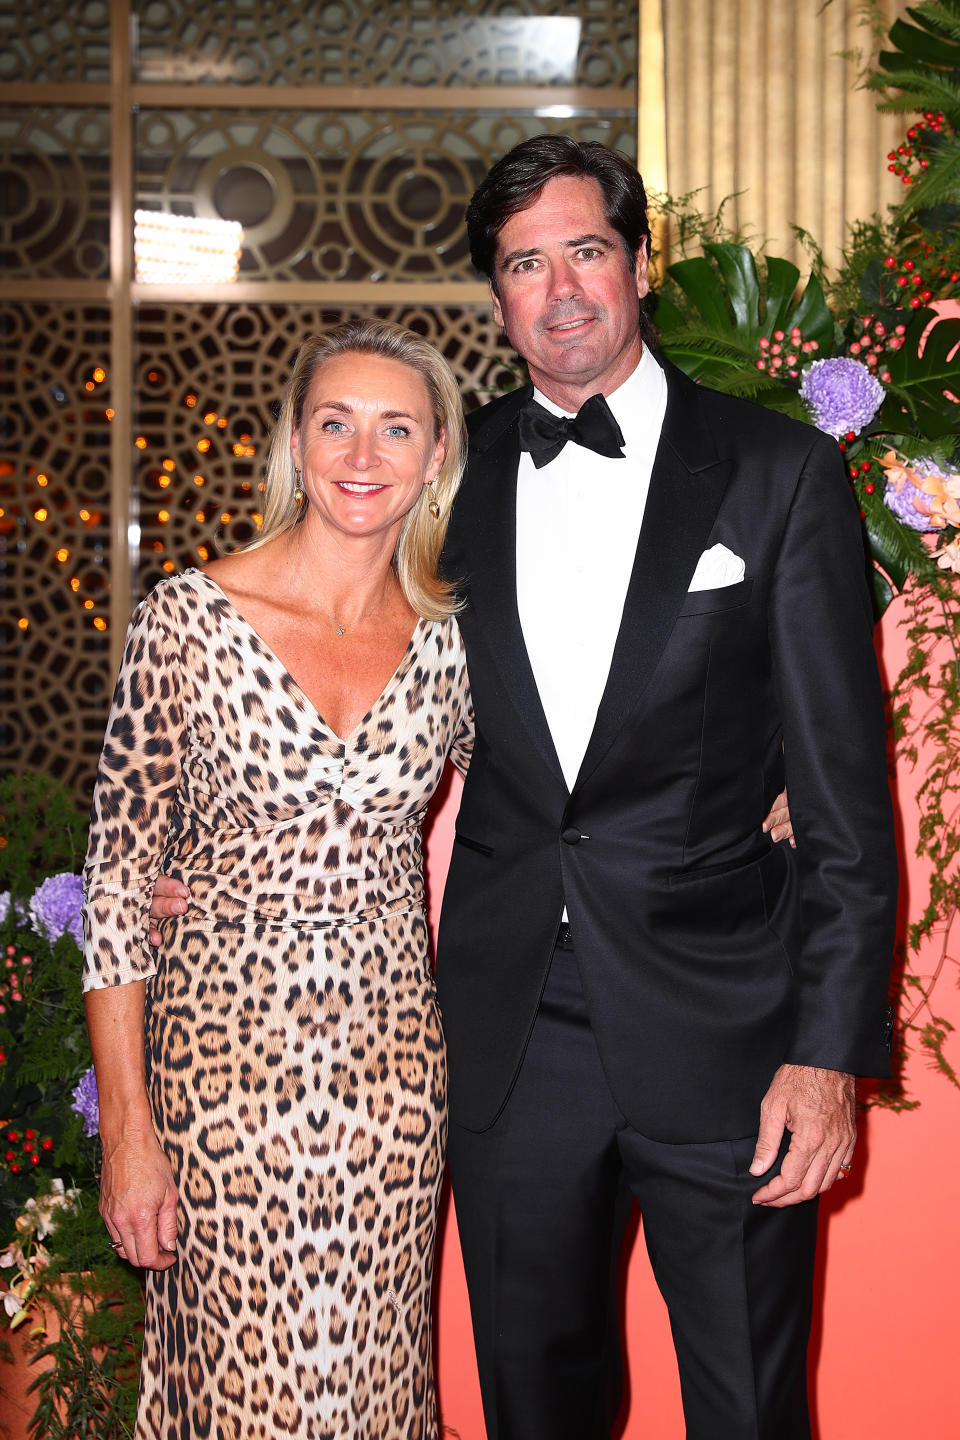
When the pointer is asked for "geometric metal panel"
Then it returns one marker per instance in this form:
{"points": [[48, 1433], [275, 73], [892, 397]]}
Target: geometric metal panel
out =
{"points": [[368, 42], [48, 42], [54, 538], [356, 196], [55, 168]]}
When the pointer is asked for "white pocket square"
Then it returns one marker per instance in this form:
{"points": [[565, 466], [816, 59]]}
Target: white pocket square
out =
{"points": [[717, 567]]}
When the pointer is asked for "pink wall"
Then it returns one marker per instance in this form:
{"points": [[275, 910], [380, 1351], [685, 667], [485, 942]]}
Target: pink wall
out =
{"points": [[884, 1354]]}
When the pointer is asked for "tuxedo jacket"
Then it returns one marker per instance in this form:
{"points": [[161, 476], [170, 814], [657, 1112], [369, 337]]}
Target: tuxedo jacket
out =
{"points": [[708, 955]]}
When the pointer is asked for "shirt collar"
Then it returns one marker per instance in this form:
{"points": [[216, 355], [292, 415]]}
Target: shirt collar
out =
{"points": [[643, 391]]}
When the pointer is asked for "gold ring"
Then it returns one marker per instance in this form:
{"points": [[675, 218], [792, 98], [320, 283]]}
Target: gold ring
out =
{"points": [[846, 1168]]}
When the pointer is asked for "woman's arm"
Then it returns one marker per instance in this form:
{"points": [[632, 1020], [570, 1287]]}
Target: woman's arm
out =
{"points": [[134, 800], [138, 1193]]}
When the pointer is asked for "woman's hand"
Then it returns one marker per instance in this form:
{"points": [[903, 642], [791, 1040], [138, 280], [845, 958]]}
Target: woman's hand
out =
{"points": [[138, 1201], [777, 824], [138, 1192]]}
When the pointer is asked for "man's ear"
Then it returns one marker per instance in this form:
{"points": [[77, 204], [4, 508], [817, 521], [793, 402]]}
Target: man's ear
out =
{"points": [[641, 267], [497, 309]]}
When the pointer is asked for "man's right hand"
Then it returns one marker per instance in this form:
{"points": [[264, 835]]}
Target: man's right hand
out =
{"points": [[170, 897]]}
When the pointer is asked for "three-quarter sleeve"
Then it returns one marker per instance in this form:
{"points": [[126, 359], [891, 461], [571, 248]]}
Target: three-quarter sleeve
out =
{"points": [[462, 747], [134, 797]]}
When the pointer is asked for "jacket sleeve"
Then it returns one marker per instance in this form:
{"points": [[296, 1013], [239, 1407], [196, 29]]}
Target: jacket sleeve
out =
{"points": [[137, 783], [831, 704]]}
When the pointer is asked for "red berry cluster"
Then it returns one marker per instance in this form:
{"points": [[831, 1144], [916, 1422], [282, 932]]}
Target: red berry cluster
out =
{"points": [[783, 352], [863, 469], [871, 339], [14, 975], [28, 1152], [913, 283], [911, 152]]}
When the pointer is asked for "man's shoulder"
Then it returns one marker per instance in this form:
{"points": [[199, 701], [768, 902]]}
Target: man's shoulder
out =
{"points": [[491, 419], [739, 425]]}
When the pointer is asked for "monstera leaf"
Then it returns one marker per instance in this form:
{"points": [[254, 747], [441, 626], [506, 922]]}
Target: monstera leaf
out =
{"points": [[712, 322], [924, 373]]}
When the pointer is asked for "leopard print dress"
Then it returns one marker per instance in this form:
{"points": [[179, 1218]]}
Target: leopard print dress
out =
{"points": [[295, 1059]]}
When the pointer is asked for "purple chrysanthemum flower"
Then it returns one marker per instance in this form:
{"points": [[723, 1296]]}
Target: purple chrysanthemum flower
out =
{"points": [[841, 395], [86, 1102], [55, 906], [899, 498]]}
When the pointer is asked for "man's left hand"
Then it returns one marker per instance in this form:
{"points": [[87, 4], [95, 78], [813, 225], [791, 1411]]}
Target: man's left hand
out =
{"points": [[818, 1107]]}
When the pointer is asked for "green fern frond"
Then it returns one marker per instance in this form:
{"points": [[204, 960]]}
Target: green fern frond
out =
{"points": [[939, 184], [943, 19]]}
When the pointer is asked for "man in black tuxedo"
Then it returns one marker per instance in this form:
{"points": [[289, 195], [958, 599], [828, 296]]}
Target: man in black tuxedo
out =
{"points": [[643, 997]]}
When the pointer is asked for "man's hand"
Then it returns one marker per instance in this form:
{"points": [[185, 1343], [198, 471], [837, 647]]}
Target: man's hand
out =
{"points": [[778, 824], [818, 1107], [170, 897]]}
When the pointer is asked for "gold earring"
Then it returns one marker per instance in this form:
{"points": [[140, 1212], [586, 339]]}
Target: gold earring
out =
{"points": [[298, 494], [432, 505]]}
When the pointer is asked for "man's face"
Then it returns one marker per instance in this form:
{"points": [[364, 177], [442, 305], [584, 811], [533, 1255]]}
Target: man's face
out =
{"points": [[568, 299]]}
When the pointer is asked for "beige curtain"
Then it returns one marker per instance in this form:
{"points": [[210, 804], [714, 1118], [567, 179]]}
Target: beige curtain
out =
{"points": [[758, 101]]}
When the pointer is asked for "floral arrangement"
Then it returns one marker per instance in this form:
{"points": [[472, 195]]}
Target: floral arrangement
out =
{"points": [[867, 356], [27, 1253], [55, 1256]]}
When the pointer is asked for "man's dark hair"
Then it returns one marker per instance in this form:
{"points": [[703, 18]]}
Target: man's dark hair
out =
{"points": [[517, 179]]}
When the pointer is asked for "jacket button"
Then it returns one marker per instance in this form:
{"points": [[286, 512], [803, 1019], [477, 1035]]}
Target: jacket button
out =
{"points": [[572, 836]]}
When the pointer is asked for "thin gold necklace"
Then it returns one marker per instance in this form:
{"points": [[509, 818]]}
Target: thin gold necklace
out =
{"points": [[338, 625]]}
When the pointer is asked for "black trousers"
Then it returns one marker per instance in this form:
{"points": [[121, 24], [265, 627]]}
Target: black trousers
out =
{"points": [[542, 1199]]}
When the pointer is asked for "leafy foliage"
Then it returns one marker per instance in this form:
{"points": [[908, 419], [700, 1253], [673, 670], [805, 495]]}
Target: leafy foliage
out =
{"points": [[714, 309], [926, 728], [95, 1298], [41, 831], [920, 73]]}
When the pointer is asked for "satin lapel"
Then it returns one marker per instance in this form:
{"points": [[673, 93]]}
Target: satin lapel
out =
{"points": [[493, 584], [686, 488]]}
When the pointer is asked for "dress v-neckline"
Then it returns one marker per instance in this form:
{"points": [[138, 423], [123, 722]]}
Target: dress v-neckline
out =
{"points": [[398, 673]]}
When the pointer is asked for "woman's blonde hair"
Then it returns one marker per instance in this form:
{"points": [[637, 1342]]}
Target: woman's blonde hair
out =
{"points": [[417, 555]]}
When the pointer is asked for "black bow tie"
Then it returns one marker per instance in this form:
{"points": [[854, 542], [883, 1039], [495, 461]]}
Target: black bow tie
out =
{"points": [[545, 434]]}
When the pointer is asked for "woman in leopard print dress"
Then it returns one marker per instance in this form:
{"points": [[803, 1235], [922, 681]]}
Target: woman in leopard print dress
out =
{"points": [[272, 1081]]}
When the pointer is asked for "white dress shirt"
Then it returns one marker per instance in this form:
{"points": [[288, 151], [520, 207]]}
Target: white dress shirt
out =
{"points": [[578, 522]]}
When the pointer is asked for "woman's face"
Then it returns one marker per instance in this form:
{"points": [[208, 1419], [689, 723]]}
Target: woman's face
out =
{"points": [[365, 444]]}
